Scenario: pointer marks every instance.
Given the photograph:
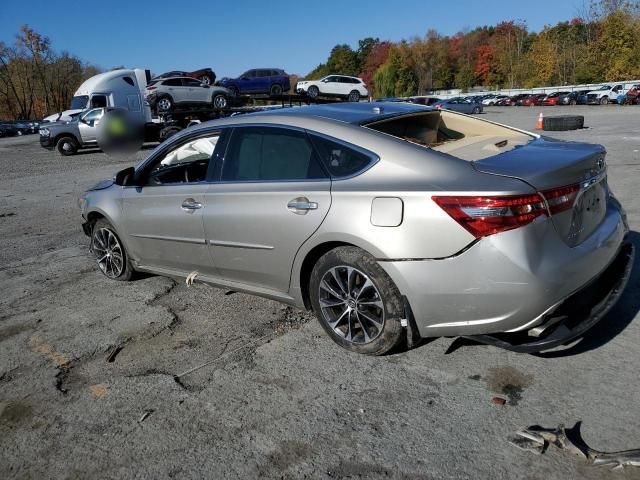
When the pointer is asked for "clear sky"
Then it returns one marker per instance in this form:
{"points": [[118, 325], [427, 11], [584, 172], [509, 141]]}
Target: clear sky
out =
{"points": [[232, 36]]}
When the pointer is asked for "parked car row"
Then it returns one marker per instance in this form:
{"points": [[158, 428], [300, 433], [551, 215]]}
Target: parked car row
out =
{"points": [[18, 127], [617, 93]]}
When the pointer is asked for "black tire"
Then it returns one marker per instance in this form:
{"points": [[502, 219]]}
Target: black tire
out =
{"points": [[219, 101], [604, 100], [234, 90], [276, 90], [206, 79], [100, 245], [380, 339], [313, 91], [67, 146], [476, 110], [164, 104], [354, 96], [168, 132], [563, 123], [572, 103]]}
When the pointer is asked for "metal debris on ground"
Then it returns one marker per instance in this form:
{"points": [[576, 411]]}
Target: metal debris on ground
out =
{"points": [[498, 401], [536, 439], [145, 414]]}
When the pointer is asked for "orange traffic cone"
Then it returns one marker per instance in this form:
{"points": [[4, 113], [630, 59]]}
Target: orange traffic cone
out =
{"points": [[539, 124]]}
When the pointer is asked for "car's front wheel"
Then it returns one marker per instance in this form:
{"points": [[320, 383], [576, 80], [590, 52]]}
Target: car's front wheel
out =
{"points": [[356, 302], [313, 91], [109, 252], [220, 102], [604, 100], [476, 110], [67, 146]]}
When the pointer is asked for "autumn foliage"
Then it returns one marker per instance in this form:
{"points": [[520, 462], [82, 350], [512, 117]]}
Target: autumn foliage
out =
{"points": [[601, 45]]}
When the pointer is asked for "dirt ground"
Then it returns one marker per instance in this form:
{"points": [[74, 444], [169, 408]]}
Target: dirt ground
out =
{"points": [[87, 365]]}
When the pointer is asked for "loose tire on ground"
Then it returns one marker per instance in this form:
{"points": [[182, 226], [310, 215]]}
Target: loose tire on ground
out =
{"points": [[67, 146], [367, 289], [563, 122]]}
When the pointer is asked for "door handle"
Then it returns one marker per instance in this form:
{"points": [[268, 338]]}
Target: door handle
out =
{"points": [[301, 205], [189, 205]]}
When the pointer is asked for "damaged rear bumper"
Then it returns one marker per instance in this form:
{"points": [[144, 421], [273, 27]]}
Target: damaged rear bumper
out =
{"points": [[574, 316]]}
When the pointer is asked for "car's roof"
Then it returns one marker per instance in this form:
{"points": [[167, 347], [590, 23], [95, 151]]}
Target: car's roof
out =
{"points": [[349, 112]]}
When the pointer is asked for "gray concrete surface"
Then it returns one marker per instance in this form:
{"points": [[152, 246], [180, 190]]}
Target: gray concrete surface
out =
{"points": [[279, 399]]}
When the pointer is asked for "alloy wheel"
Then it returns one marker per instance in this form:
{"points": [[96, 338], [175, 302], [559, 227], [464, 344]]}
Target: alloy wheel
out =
{"points": [[164, 104], [108, 252], [220, 102], [351, 304]]}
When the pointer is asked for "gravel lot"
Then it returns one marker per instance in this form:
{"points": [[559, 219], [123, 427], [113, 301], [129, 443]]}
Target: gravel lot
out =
{"points": [[278, 398]]}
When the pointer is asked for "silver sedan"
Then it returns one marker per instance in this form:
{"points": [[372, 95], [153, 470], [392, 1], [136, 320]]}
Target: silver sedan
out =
{"points": [[391, 221]]}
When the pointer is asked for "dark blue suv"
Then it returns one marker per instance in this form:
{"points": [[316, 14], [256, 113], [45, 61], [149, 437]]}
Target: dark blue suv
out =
{"points": [[273, 81]]}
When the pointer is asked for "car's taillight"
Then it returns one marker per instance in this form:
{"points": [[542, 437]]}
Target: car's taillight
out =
{"points": [[482, 216], [487, 215], [561, 199]]}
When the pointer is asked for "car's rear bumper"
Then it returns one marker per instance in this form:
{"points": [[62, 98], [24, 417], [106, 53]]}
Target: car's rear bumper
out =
{"points": [[576, 314], [507, 282]]}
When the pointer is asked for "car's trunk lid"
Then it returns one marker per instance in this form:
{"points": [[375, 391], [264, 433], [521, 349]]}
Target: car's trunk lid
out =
{"points": [[547, 164]]}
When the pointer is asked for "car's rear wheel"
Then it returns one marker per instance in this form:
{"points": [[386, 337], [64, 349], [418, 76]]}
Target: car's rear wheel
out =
{"points": [[276, 90], [220, 101], [165, 104], [109, 252], [206, 79], [313, 91], [354, 96], [67, 146], [356, 302]]}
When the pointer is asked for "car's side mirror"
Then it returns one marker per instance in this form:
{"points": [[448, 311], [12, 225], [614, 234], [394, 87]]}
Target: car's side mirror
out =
{"points": [[125, 177]]}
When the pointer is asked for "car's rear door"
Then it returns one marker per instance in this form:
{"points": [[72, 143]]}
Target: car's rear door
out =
{"points": [[163, 213], [272, 195]]}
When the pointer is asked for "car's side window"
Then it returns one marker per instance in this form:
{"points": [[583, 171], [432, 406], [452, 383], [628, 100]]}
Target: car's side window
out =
{"points": [[186, 163], [93, 115], [270, 154], [339, 159], [190, 82], [174, 82]]}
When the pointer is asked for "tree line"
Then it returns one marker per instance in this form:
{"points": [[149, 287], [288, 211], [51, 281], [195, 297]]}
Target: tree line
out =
{"points": [[602, 43], [35, 80]]}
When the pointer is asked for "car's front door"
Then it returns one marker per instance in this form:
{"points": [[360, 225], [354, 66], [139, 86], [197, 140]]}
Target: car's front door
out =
{"points": [[163, 213], [247, 82], [272, 195], [197, 92], [88, 125]]}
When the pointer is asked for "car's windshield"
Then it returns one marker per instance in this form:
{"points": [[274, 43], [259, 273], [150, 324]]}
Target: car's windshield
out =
{"points": [[605, 87], [79, 102]]}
